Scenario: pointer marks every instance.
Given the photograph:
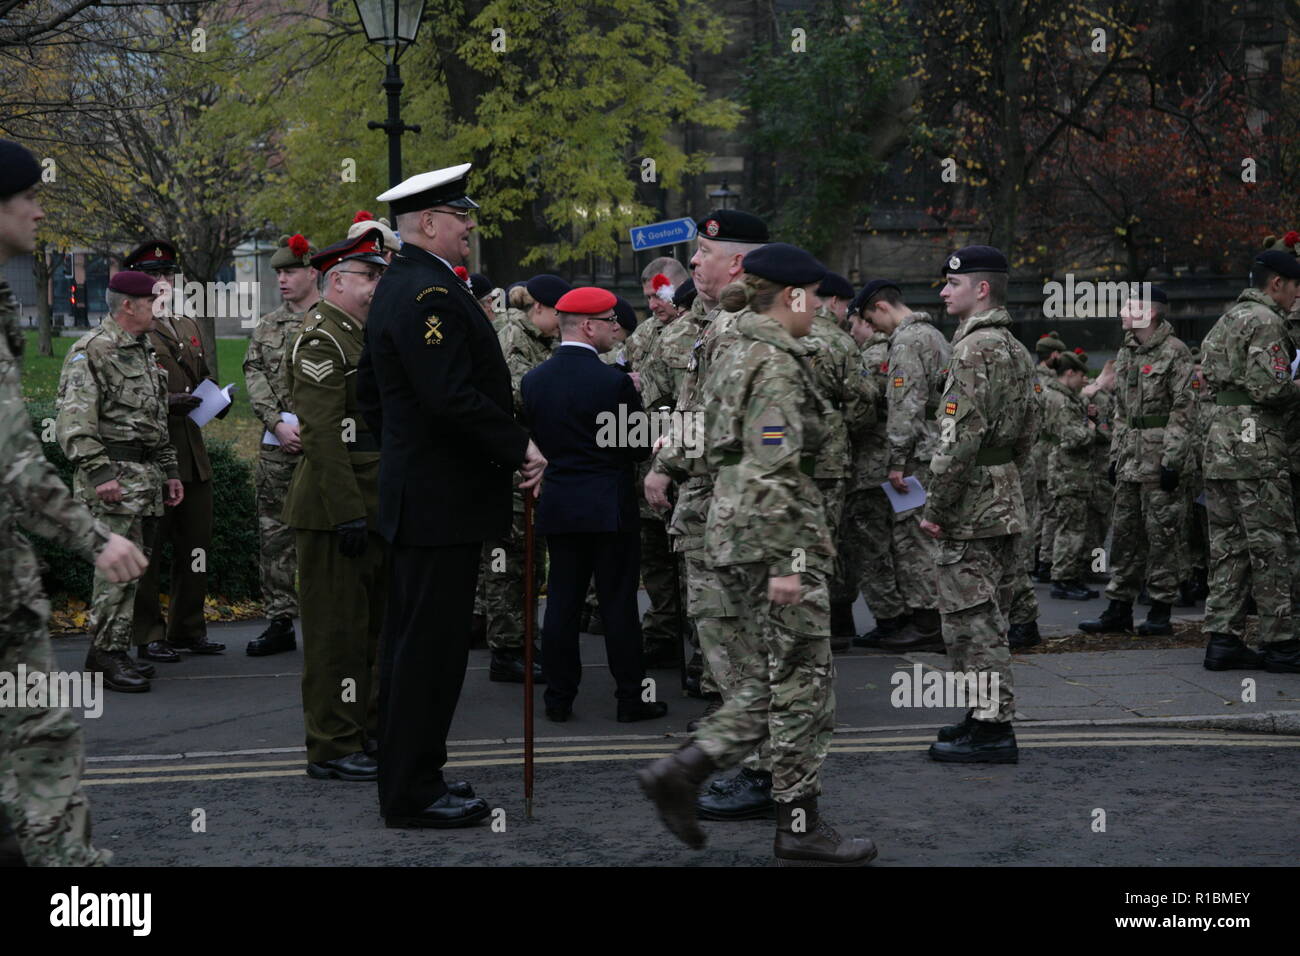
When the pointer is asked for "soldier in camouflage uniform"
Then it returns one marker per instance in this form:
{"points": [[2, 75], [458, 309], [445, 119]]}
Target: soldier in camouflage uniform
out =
{"points": [[1070, 435], [526, 341], [768, 537], [333, 506], [1197, 534], [1246, 360], [975, 507], [837, 367], [112, 426], [1153, 408], [41, 751], [268, 391], [918, 368], [1101, 500], [868, 529], [1043, 533]]}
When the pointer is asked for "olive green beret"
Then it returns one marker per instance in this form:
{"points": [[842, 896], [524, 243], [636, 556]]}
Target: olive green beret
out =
{"points": [[1049, 342], [294, 251], [1072, 360]]}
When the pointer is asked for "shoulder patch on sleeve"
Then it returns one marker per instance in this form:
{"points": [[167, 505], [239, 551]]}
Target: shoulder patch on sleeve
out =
{"points": [[433, 330]]}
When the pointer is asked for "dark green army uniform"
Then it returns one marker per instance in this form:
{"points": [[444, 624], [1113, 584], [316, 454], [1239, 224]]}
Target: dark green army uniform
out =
{"points": [[341, 599]]}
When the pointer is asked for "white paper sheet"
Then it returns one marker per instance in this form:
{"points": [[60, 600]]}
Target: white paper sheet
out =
{"points": [[1295, 363], [901, 501], [289, 418], [214, 400]]}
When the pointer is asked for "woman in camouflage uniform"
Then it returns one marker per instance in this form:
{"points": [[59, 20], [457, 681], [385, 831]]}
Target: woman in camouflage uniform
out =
{"points": [[1070, 435], [768, 537]]}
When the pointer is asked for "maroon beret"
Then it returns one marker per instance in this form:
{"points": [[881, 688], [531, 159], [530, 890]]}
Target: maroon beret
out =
{"points": [[129, 282], [586, 300]]}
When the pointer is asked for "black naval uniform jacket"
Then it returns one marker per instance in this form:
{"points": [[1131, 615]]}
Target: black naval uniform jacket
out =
{"points": [[433, 384]]}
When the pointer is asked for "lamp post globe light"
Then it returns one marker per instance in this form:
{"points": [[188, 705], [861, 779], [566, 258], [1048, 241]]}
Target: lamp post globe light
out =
{"points": [[722, 197], [393, 25]]}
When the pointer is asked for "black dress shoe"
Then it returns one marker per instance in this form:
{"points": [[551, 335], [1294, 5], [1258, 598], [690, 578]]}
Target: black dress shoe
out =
{"points": [[631, 710], [460, 788], [359, 766], [745, 796], [277, 638], [559, 714], [508, 666], [157, 651], [203, 646], [147, 671], [447, 811]]}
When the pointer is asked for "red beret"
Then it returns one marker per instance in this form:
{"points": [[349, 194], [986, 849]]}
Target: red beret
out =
{"points": [[586, 300], [132, 283]]}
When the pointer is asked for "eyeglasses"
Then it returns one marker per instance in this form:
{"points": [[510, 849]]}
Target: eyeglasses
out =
{"points": [[368, 274], [604, 318], [459, 214]]}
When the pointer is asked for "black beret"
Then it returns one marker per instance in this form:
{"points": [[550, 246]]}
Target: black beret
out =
{"points": [[625, 314], [835, 286], [1283, 263], [130, 282], [19, 169], [1159, 295], [685, 294], [732, 225], [547, 288], [156, 255], [784, 263], [975, 259], [871, 288], [479, 284]]}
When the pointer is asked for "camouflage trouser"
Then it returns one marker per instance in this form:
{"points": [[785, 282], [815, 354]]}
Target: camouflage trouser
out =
{"points": [[785, 698], [1069, 552], [41, 759], [1034, 503], [868, 552], [833, 493], [1100, 505], [1197, 526], [975, 579], [661, 623], [503, 585], [1252, 549], [914, 551], [1147, 543], [1024, 601], [1046, 524], [723, 641], [112, 606], [278, 562]]}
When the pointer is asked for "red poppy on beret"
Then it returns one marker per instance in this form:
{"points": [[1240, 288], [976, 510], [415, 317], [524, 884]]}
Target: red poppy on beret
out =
{"points": [[299, 245], [586, 300], [1291, 238]]}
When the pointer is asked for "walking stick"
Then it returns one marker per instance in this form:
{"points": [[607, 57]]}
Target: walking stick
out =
{"points": [[530, 607]]}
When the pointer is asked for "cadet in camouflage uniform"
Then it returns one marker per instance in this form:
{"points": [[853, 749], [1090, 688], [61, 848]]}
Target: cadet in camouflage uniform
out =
{"points": [[1101, 500], [1153, 409], [112, 426], [1070, 435], [1197, 535], [268, 391], [837, 375], [725, 238], [41, 751], [868, 532], [1246, 360], [975, 507], [526, 342], [769, 539], [1043, 531], [333, 506], [918, 368]]}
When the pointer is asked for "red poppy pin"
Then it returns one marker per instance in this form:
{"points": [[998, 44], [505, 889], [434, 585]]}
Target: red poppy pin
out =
{"points": [[1146, 369], [194, 341], [884, 367]]}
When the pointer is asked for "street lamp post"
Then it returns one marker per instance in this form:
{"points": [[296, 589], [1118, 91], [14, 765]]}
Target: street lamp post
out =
{"points": [[392, 24], [722, 196]]}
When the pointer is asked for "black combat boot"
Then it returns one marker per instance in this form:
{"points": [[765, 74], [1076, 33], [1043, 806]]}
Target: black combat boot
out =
{"points": [[1227, 652], [745, 796], [1157, 621], [803, 838], [954, 731], [1116, 619], [1072, 591], [672, 783], [986, 742], [277, 638], [1282, 657], [1186, 594], [1043, 573], [1023, 635], [118, 672], [885, 627], [843, 630], [923, 633]]}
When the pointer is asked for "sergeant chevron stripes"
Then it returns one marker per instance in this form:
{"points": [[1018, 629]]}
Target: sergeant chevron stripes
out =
{"points": [[317, 370]]}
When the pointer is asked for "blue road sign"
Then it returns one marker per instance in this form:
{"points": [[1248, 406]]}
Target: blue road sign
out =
{"points": [[662, 233]]}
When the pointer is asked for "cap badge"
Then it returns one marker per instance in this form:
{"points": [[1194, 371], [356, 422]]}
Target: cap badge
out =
{"points": [[954, 263], [711, 228]]}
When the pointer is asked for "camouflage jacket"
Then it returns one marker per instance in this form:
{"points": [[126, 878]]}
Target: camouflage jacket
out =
{"points": [[641, 342], [1198, 418], [918, 368], [33, 496], [1246, 360], [987, 426], [837, 373], [763, 430], [525, 348], [265, 364], [1069, 440], [338, 478], [1153, 405], [112, 420], [1037, 465], [871, 443], [664, 369]]}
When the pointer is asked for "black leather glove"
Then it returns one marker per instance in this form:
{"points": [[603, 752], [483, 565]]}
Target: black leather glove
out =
{"points": [[352, 538], [1168, 479], [1111, 475], [182, 403]]}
